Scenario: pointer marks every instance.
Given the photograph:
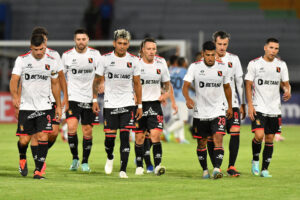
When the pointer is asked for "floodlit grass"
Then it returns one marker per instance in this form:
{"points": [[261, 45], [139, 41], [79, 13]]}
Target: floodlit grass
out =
{"points": [[181, 181]]}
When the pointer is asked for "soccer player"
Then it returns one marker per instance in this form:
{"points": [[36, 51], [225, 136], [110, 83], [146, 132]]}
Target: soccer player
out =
{"points": [[63, 85], [211, 81], [80, 64], [235, 73], [38, 73], [177, 74], [121, 72], [154, 72], [263, 79]]}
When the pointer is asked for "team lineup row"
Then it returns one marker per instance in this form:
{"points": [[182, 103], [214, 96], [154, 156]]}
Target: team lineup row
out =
{"points": [[134, 89]]}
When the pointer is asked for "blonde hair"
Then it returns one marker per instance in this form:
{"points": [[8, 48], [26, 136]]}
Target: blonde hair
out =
{"points": [[122, 33]]}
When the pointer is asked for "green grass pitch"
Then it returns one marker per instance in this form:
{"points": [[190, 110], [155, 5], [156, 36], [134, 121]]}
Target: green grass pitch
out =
{"points": [[181, 181]]}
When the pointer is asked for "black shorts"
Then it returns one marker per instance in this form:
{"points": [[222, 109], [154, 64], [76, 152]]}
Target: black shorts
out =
{"points": [[31, 122], [152, 117], [235, 121], [52, 113], [270, 124], [208, 127], [280, 123], [82, 111], [119, 118]]}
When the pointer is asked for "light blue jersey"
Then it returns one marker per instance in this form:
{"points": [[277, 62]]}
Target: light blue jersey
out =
{"points": [[177, 74]]}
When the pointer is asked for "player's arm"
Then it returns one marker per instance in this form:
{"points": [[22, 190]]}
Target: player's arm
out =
{"points": [[63, 85], [165, 91], [55, 86], [286, 87], [239, 81], [138, 93], [172, 98], [13, 86], [251, 110], [98, 80], [185, 91], [228, 94]]}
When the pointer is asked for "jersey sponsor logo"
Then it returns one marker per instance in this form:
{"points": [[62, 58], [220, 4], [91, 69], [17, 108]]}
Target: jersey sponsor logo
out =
{"points": [[219, 73], [118, 76], [35, 76], [90, 60], [129, 64], [150, 82], [82, 71], [230, 64], [278, 69], [158, 71], [47, 67], [203, 84], [267, 82]]}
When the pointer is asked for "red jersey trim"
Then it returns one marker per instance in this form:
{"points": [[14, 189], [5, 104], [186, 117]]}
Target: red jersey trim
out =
{"points": [[68, 50]]}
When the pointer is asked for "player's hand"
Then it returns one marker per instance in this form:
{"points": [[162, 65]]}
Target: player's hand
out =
{"points": [[243, 111], [58, 113], [65, 103], [175, 108], [190, 103], [96, 108], [286, 95], [251, 113], [17, 114], [16, 103], [139, 113], [162, 98], [229, 113]]}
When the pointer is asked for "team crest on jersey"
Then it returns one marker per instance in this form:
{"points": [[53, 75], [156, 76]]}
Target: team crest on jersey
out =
{"points": [[158, 71], [47, 67], [278, 69], [219, 73], [129, 64], [230, 64], [257, 122], [90, 60]]}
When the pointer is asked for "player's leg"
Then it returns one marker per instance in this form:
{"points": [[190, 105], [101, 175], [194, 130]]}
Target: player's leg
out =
{"points": [[259, 133], [72, 117], [218, 130], [55, 126], [22, 147], [147, 157], [157, 151], [202, 156], [139, 150], [210, 148], [111, 124], [233, 128], [34, 143], [271, 127]]}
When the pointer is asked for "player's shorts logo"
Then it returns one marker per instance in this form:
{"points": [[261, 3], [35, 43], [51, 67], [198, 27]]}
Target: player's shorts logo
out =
{"points": [[278, 69], [219, 73], [21, 128], [137, 125], [258, 122], [230, 64], [158, 71], [129, 64], [70, 112], [105, 123], [47, 67], [90, 60]]}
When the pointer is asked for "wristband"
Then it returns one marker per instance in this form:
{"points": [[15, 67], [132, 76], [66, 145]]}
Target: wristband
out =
{"points": [[140, 106], [95, 101]]}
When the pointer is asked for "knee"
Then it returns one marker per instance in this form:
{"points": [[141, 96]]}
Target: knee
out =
{"points": [[139, 138], [23, 141], [87, 131], [43, 136]]}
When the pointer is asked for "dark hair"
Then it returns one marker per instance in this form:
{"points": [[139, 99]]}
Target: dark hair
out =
{"points": [[37, 39], [221, 34], [181, 61], [173, 59], [147, 40], [81, 31], [209, 45], [40, 30], [272, 40]]}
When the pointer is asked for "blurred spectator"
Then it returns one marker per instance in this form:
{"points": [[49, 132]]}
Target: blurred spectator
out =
{"points": [[91, 16], [106, 14], [199, 56]]}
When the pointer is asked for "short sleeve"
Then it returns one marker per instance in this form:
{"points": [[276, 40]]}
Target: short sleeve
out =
{"points": [[54, 71], [18, 67], [284, 73], [60, 66], [165, 73], [238, 67], [190, 75], [250, 72], [100, 65], [63, 62], [226, 77], [137, 68]]}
